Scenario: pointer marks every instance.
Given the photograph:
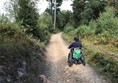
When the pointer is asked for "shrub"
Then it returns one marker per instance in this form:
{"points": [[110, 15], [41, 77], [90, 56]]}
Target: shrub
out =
{"points": [[20, 55], [68, 29], [107, 22], [104, 63], [11, 30], [45, 23], [106, 27], [84, 31]]}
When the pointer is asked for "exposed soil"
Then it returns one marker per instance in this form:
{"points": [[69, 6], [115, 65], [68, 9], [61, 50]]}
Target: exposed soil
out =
{"points": [[58, 70]]}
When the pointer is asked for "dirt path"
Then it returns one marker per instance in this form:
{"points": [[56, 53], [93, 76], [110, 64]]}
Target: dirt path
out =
{"points": [[58, 70]]}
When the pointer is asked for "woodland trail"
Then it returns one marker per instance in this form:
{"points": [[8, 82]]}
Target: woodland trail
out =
{"points": [[58, 70]]}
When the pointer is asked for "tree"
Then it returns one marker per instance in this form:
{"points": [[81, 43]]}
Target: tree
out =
{"points": [[12, 9], [45, 22], [63, 18], [85, 10], [52, 9], [27, 15], [59, 2]]}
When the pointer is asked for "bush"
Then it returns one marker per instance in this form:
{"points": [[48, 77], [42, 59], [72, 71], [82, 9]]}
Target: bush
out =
{"points": [[84, 31], [45, 23], [21, 56], [106, 28], [69, 33], [107, 22], [10, 30], [104, 63], [68, 29]]}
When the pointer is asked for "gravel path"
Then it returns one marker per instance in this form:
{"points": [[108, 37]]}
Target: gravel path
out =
{"points": [[58, 70]]}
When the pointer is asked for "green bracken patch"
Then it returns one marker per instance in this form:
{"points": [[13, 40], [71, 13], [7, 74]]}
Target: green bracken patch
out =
{"points": [[104, 63]]}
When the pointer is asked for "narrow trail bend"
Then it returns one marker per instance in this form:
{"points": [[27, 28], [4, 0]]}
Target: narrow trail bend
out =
{"points": [[58, 70]]}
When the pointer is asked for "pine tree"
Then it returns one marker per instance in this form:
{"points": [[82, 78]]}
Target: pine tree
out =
{"points": [[28, 16], [26, 13], [85, 10]]}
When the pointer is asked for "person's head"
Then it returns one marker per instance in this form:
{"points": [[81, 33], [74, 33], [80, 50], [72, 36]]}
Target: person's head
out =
{"points": [[42, 77], [76, 39]]}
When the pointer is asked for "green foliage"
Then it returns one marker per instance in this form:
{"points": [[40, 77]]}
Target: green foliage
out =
{"points": [[85, 10], [10, 31], [60, 21], [68, 29], [84, 31], [69, 33], [16, 47], [45, 21], [4, 19], [27, 15], [14, 52], [45, 24], [114, 4], [104, 63], [13, 49], [107, 22], [63, 18], [93, 25], [59, 2], [106, 28], [103, 30]]}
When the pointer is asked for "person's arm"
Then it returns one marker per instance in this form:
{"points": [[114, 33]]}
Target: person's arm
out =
{"points": [[70, 46]]}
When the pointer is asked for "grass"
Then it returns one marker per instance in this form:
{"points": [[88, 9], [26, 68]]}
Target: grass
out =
{"points": [[103, 63], [98, 57], [16, 48], [108, 48]]}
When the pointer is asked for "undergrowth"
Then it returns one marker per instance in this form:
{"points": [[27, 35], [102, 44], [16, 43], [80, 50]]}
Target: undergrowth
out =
{"points": [[21, 56], [104, 63]]}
